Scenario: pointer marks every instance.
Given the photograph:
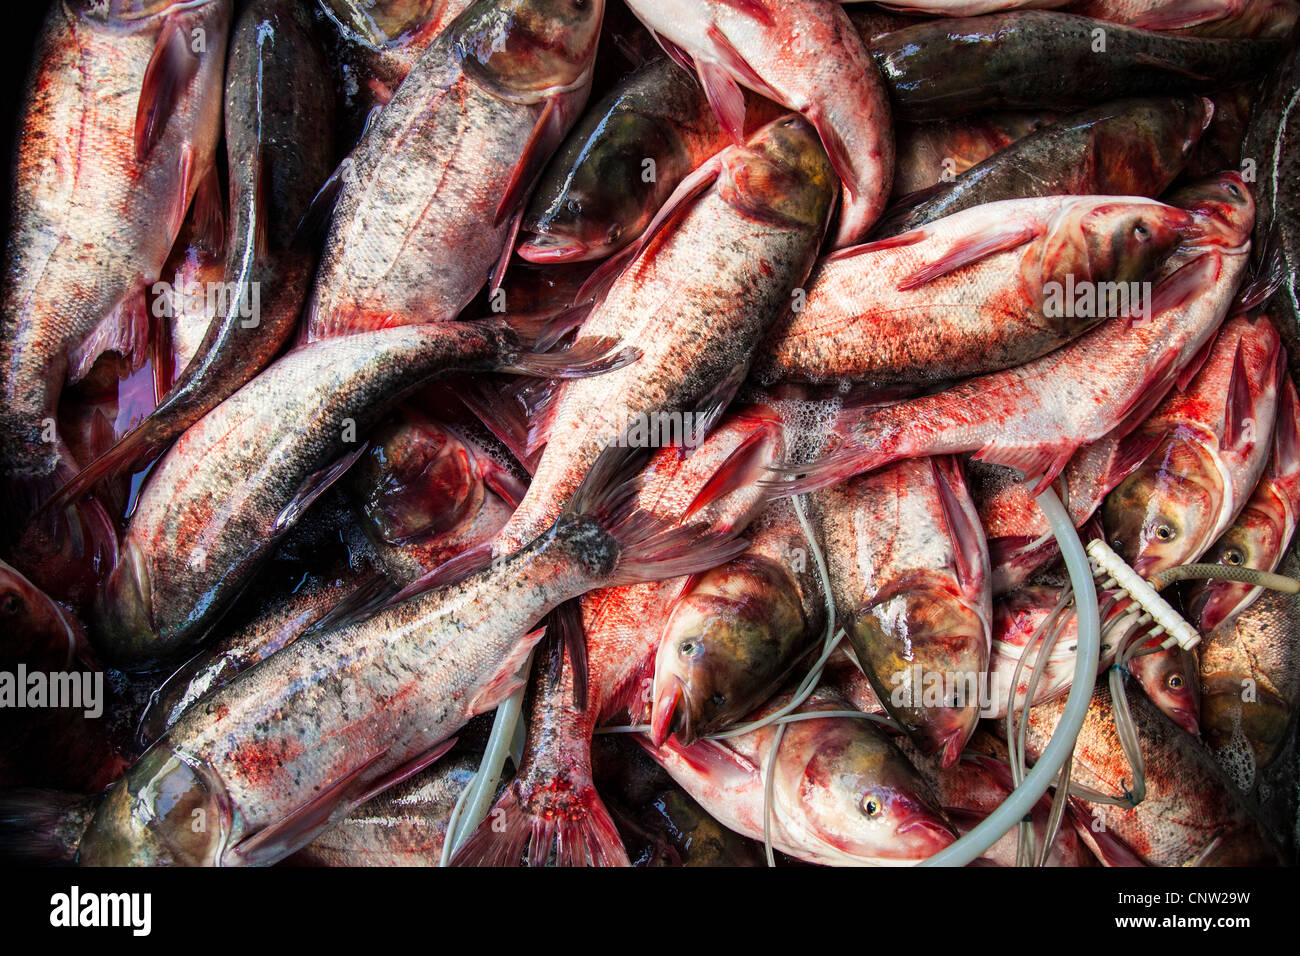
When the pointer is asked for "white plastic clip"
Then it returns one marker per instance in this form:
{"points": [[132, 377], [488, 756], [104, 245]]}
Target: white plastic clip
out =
{"points": [[1106, 562]]}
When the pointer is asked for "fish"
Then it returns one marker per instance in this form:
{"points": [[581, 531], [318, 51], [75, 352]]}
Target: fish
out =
{"points": [[842, 793], [1191, 814], [696, 294], [1250, 680], [405, 825], [1168, 676], [1263, 530], [733, 635], [1272, 155], [296, 743], [50, 746], [1016, 617], [279, 117], [659, 822], [40, 827], [278, 623], [909, 573], [929, 154], [986, 289], [1212, 18], [967, 8], [447, 165], [622, 161], [1021, 541], [552, 806], [426, 493], [1130, 147], [1039, 59], [973, 788], [374, 45], [1029, 417], [237, 480], [1217, 439], [122, 117], [809, 58]]}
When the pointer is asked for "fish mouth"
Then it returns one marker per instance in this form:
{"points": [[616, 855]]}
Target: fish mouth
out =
{"points": [[1214, 607], [951, 747], [926, 834], [668, 715], [1187, 720], [542, 250]]}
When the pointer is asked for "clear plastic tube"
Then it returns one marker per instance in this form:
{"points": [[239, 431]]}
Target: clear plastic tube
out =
{"points": [[1022, 800]]}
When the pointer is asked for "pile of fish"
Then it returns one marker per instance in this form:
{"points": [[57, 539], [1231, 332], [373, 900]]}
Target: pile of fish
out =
{"points": [[608, 432]]}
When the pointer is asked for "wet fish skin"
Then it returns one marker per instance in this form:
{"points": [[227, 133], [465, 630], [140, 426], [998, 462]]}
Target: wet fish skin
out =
{"points": [[909, 571], [929, 154], [1130, 147], [807, 57], [1034, 59], [552, 806], [91, 224], [278, 122], [1216, 445], [1192, 814], [1250, 676], [1026, 417], [843, 794], [374, 47], [861, 320], [403, 826], [594, 198], [235, 482], [1271, 146], [426, 493], [1264, 529], [697, 300], [437, 165], [339, 713], [734, 635], [1215, 18]]}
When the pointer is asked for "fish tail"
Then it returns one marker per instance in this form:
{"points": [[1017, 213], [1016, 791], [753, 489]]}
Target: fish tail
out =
{"points": [[649, 548], [584, 358], [43, 827], [565, 827]]}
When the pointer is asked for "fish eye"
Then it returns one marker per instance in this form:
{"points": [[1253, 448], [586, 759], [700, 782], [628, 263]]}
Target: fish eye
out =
{"points": [[1165, 533], [1141, 231], [1174, 681], [615, 233], [1233, 558], [872, 805], [1117, 544], [1233, 190], [690, 649]]}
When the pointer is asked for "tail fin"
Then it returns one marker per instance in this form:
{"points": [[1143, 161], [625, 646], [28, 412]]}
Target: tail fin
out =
{"points": [[519, 831], [649, 548], [585, 357], [43, 827]]}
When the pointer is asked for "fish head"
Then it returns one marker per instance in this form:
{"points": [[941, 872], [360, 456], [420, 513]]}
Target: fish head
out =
{"points": [[530, 49], [853, 790], [1119, 242], [1222, 209], [726, 643], [1255, 540], [782, 175], [385, 23], [592, 208], [123, 11], [1229, 722], [150, 817], [1169, 677], [123, 614], [418, 479], [1161, 515], [925, 649]]}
